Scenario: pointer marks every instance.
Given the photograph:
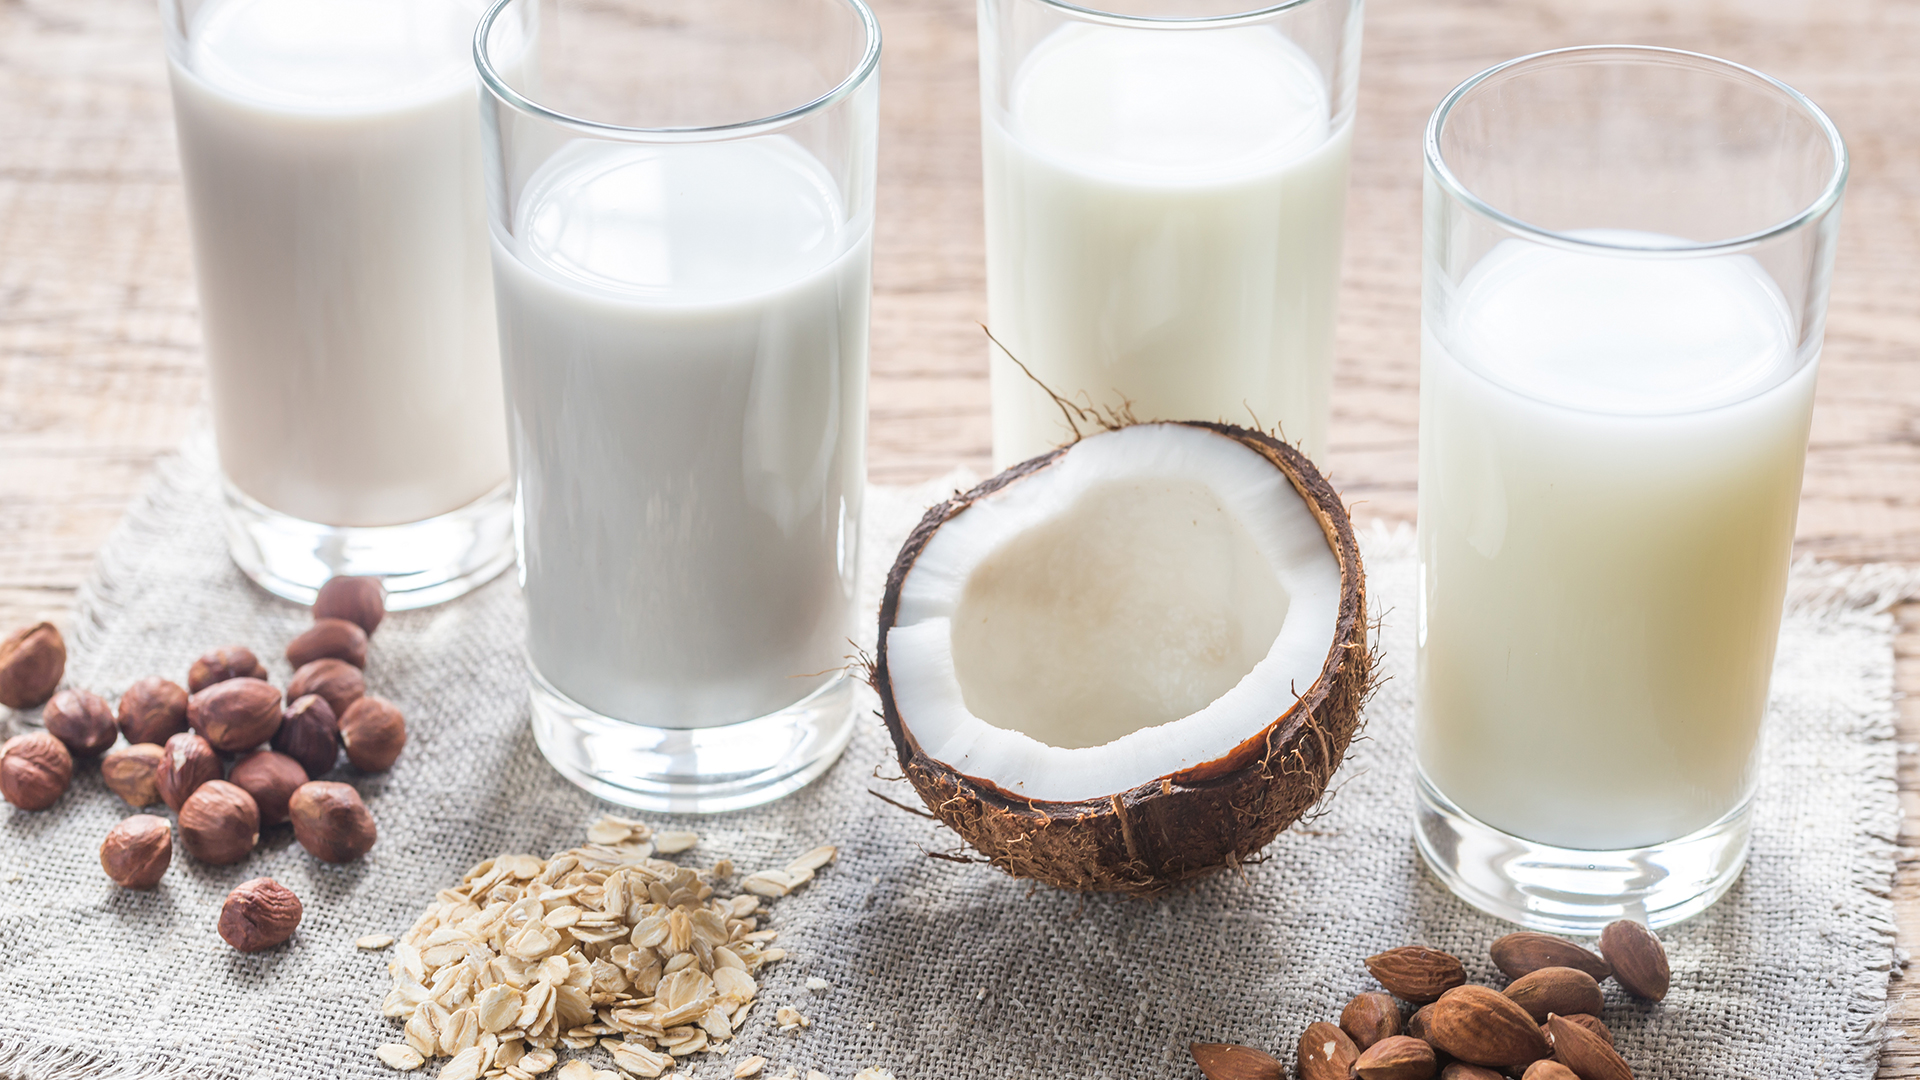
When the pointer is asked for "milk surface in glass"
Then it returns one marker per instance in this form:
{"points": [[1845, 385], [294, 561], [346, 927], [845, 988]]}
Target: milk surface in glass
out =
{"points": [[684, 335], [1163, 227], [1610, 464], [331, 153]]}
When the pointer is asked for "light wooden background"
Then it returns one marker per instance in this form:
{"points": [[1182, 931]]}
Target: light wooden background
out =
{"points": [[99, 348]]}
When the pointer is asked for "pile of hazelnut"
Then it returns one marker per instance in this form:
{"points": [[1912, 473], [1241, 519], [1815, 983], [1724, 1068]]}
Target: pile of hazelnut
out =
{"points": [[179, 742]]}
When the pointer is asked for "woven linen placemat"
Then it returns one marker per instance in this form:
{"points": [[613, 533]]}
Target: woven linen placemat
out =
{"points": [[936, 971]]}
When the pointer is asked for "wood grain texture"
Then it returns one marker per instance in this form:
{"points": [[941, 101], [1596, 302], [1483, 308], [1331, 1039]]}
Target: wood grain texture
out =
{"points": [[100, 369]]}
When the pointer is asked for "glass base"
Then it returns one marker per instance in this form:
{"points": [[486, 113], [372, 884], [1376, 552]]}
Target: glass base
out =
{"points": [[693, 770], [1578, 892], [422, 563]]}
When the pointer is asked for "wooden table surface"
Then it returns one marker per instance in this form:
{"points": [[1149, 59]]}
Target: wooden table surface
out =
{"points": [[100, 368]]}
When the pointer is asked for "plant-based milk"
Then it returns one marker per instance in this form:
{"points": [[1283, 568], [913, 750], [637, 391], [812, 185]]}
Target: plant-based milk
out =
{"points": [[332, 160], [1163, 228], [684, 335], [1610, 463]]}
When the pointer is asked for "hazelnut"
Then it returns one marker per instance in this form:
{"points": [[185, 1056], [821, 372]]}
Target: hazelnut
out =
{"points": [[360, 600], [373, 731], [35, 770], [336, 638], [133, 773], [227, 662], [219, 823], [330, 821], [81, 719], [32, 660], [309, 734], [259, 914], [271, 779], [336, 680], [153, 710], [137, 851], [237, 714], [187, 762]]}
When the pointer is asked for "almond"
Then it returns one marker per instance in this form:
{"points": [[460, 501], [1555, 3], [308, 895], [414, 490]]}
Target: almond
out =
{"points": [[1482, 1026], [1417, 1024], [1639, 962], [1586, 1020], [1561, 990], [1368, 1018], [1545, 1069], [1585, 1052], [1417, 973], [1326, 1053], [1397, 1057], [1526, 951], [1460, 1070], [1231, 1061]]}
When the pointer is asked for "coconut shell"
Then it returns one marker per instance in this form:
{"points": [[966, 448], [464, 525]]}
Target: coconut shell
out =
{"points": [[1188, 823]]}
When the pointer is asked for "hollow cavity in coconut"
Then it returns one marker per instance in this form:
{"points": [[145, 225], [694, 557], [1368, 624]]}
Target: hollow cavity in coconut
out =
{"points": [[1131, 661]]}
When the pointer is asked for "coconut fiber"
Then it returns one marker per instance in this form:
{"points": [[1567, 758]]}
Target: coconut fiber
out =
{"points": [[936, 970]]}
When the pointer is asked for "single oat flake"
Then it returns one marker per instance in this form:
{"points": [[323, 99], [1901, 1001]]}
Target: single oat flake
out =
{"points": [[373, 942]]}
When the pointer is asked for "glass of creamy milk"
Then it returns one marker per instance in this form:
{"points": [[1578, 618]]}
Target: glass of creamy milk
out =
{"points": [[1626, 261], [331, 152], [1165, 182], [681, 202]]}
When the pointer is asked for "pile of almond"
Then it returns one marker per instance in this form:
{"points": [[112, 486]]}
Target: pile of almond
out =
{"points": [[1544, 1026]]}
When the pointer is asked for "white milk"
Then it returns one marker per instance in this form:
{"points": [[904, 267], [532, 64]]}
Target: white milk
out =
{"points": [[332, 160], [684, 333], [1163, 227], [1610, 461]]}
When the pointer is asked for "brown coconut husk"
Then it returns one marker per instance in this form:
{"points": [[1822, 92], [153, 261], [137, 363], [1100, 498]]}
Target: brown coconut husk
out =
{"points": [[1188, 823]]}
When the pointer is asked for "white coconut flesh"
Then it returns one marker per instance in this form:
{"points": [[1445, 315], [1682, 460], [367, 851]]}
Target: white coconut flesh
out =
{"points": [[1144, 604]]}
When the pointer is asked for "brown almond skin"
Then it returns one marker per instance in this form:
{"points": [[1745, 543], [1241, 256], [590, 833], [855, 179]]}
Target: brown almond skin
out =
{"points": [[359, 600], [1482, 1026], [1460, 1070], [1397, 1057], [271, 779], [1586, 1053], [310, 734], [1325, 1053], [1231, 1061], [82, 720], [137, 852], [186, 762], [1639, 960], [1546, 1069], [1555, 990], [373, 732], [35, 770], [1370, 1017], [33, 659], [226, 662], [1417, 1024], [1526, 951], [133, 773], [336, 638], [1417, 973], [331, 822], [1586, 1020], [236, 714], [335, 680], [153, 710], [259, 914], [219, 823]]}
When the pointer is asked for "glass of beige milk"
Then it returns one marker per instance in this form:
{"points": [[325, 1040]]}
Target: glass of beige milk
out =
{"points": [[331, 152], [1165, 182], [1626, 260], [682, 211]]}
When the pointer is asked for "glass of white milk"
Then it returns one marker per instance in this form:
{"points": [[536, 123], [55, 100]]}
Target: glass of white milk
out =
{"points": [[1165, 182], [681, 198], [1626, 260], [331, 152]]}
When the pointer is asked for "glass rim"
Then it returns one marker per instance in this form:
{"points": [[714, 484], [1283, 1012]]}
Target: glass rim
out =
{"points": [[863, 70], [1828, 198], [1175, 22]]}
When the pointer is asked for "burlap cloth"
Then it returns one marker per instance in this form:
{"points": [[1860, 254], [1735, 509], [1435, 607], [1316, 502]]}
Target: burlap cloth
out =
{"points": [[938, 971]]}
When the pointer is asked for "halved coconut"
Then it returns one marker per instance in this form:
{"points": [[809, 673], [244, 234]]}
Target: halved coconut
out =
{"points": [[1131, 661]]}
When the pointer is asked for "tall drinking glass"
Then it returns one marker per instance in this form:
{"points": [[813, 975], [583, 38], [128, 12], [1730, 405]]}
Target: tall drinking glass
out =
{"points": [[1626, 261], [331, 151], [682, 208], [1165, 181]]}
